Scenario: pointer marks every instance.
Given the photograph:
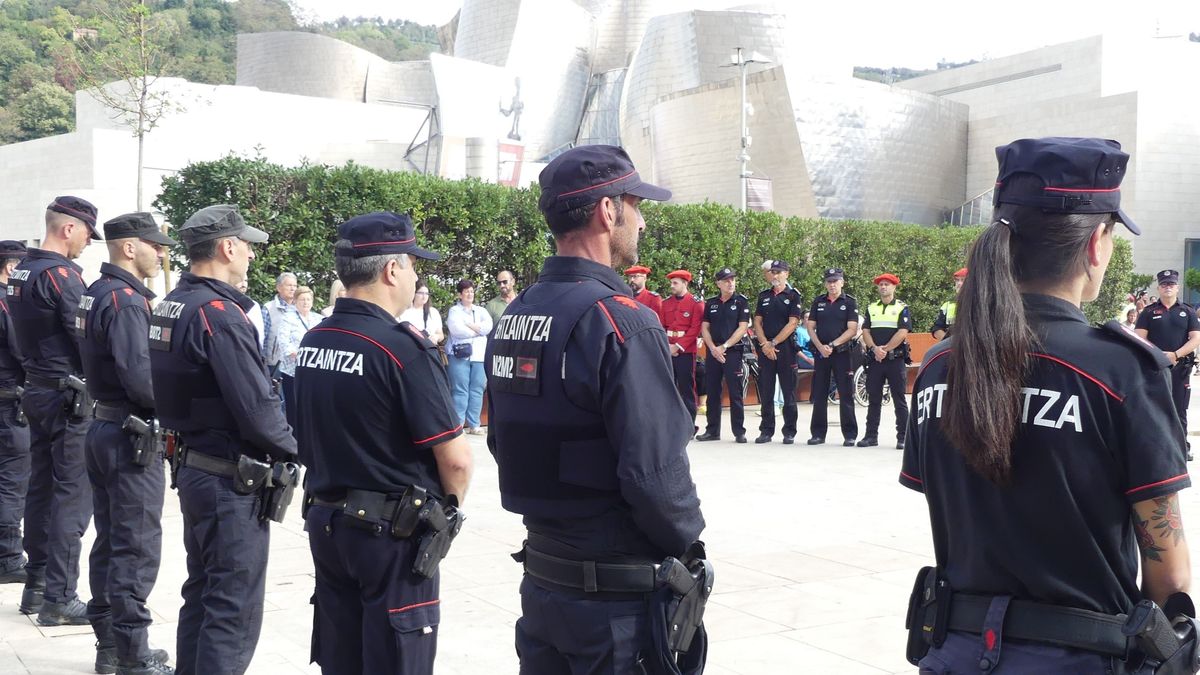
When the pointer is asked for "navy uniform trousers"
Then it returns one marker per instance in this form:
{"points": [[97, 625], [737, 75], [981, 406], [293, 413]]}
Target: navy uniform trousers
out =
{"points": [[839, 366], [782, 368], [226, 547], [895, 374], [732, 373], [371, 612], [559, 634], [14, 481], [1181, 392], [59, 502], [128, 502]]}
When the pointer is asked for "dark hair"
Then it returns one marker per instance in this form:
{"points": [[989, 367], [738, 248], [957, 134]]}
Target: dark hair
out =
{"points": [[566, 222], [464, 285], [992, 339], [203, 251], [360, 271], [5, 261], [426, 306]]}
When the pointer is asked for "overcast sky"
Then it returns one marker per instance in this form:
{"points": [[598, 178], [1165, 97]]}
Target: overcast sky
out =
{"points": [[915, 34]]}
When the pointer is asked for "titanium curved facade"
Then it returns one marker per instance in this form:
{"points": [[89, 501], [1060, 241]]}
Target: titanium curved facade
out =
{"points": [[306, 64]]}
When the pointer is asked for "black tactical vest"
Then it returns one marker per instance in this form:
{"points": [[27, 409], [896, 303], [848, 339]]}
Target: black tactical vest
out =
{"points": [[555, 459], [40, 335], [186, 394], [11, 372], [103, 382]]}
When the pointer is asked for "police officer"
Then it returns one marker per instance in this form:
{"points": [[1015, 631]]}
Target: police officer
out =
{"points": [[14, 432], [373, 613], [212, 391], [1173, 327], [1053, 454], [833, 326], [885, 333], [681, 315], [43, 295], [726, 320], [948, 310], [777, 313], [126, 473], [637, 274], [590, 435]]}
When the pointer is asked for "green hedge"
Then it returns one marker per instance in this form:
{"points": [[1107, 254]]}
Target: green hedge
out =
{"points": [[482, 228]]}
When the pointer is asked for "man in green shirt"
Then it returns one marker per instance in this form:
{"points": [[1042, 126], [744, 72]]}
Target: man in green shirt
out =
{"points": [[506, 282]]}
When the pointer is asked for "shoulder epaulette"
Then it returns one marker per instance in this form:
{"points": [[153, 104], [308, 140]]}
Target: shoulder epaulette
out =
{"points": [[1142, 345]]}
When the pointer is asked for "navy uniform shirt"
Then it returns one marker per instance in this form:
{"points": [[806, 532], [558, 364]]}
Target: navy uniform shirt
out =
{"points": [[617, 365], [43, 311], [776, 309], [1166, 328], [832, 316], [220, 345], [372, 399], [723, 317], [896, 317], [11, 372], [1097, 434], [117, 321]]}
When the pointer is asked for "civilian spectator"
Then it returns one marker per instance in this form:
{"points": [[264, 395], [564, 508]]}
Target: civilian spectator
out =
{"points": [[336, 290], [469, 327], [1128, 316], [424, 315], [285, 295], [257, 314], [507, 285], [297, 321]]}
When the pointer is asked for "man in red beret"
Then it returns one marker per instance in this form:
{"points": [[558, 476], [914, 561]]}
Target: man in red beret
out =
{"points": [[681, 317], [885, 333], [636, 276], [945, 317]]}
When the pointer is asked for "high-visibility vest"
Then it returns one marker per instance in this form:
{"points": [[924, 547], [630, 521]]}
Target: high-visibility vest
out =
{"points": [[886, 316], [949, 309]]}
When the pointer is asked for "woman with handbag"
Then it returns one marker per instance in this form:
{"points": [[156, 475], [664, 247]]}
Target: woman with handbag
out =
{"points": [[469, 327]]}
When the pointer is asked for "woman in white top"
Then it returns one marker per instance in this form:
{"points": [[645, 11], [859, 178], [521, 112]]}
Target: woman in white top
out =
{"points": [[469, 327], [336, 290], [297, 320], [424, 315]]}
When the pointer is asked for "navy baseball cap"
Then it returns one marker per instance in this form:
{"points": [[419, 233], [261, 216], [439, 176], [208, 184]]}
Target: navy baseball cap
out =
{"points": [[75, 207], [779, 266], [834, 273], [1079, 175], [12, 249], [725, 273], [140, 225], [584, 174], [1168, 277], [216, 221], [380, 233]]}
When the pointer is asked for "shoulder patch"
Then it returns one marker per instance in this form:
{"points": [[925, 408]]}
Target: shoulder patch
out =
{"points": [[416, 334], [1143, 346], [62, 272], [626, 316], [628, 302]]}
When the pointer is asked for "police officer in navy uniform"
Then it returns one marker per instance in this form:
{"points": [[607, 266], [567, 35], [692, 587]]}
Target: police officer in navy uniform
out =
{"points": [[398, 447], [777, 312], [43, 296], [14, 432], [127, 488], [1173, 327], [832, 326], [1065, 458], [590, 434], [885, 333], [726, 320], [213, 392]]}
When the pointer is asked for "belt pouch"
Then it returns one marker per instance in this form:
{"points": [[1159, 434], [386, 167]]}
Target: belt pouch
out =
{"points": [[408, 512], [250, 476]]}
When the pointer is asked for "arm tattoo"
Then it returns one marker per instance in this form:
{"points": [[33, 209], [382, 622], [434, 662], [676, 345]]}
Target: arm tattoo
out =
{"points": [[1146, 540], [1167, 518]]}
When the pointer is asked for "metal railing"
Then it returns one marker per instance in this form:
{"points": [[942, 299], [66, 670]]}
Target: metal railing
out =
{"points": [[975, 211]]}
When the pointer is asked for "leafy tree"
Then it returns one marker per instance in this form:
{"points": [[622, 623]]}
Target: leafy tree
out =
{"points": [[46, 109]]}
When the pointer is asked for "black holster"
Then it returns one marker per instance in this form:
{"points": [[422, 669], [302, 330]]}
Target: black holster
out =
{"points": [[408, 511], [79, 403], [1167, 637], [443, 524], [677, 613], [148, 441], [277, 495], [928, 614]]}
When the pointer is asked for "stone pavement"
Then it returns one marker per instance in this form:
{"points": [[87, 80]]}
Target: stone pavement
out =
{"points": [[815, 550]]}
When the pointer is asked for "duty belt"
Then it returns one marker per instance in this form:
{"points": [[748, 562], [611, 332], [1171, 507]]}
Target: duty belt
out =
{"points": [[208, 464], [113, 412], [58, 383], [1061, 626], [590, 576], [385, 514], [11, 393]]}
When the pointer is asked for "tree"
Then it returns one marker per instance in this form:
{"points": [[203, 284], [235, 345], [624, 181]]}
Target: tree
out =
{"points": [[44, 110], [119, 61]]}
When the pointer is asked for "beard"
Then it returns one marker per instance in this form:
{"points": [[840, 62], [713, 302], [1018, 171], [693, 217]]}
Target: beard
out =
{"points": [[624, 245]]}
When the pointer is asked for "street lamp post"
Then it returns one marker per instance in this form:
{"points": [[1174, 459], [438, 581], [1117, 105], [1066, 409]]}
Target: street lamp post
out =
{"points": [[739, 61]]}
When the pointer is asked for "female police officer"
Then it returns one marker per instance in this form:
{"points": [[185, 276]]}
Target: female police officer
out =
{"points": [[1046, 448]]}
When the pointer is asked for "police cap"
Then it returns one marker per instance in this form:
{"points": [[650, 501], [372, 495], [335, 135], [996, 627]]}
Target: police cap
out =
{"points": [[12, 249], [219, 220], [725, 273], [779, 266], [834, 273], [379, 233], [79, 208], [1079, 175], [583, 175], [140, 225], [1168, 277]]}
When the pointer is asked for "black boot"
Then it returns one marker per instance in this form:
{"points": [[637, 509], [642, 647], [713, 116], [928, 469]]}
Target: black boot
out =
{"points": [[31, 597], [155, 664], [106, 646], [70, 613], [14, 573]]}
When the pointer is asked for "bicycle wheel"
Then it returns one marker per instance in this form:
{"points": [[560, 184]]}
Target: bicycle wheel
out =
{"points": [[860, 387]]}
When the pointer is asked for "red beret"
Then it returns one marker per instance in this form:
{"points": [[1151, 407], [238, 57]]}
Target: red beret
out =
{"points": [[637, 269], [960, 273], [681, 274], [888, 277]]}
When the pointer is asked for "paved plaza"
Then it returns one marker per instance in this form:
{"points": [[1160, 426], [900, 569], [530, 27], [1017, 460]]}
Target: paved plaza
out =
{"points": [[815, 550]]}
